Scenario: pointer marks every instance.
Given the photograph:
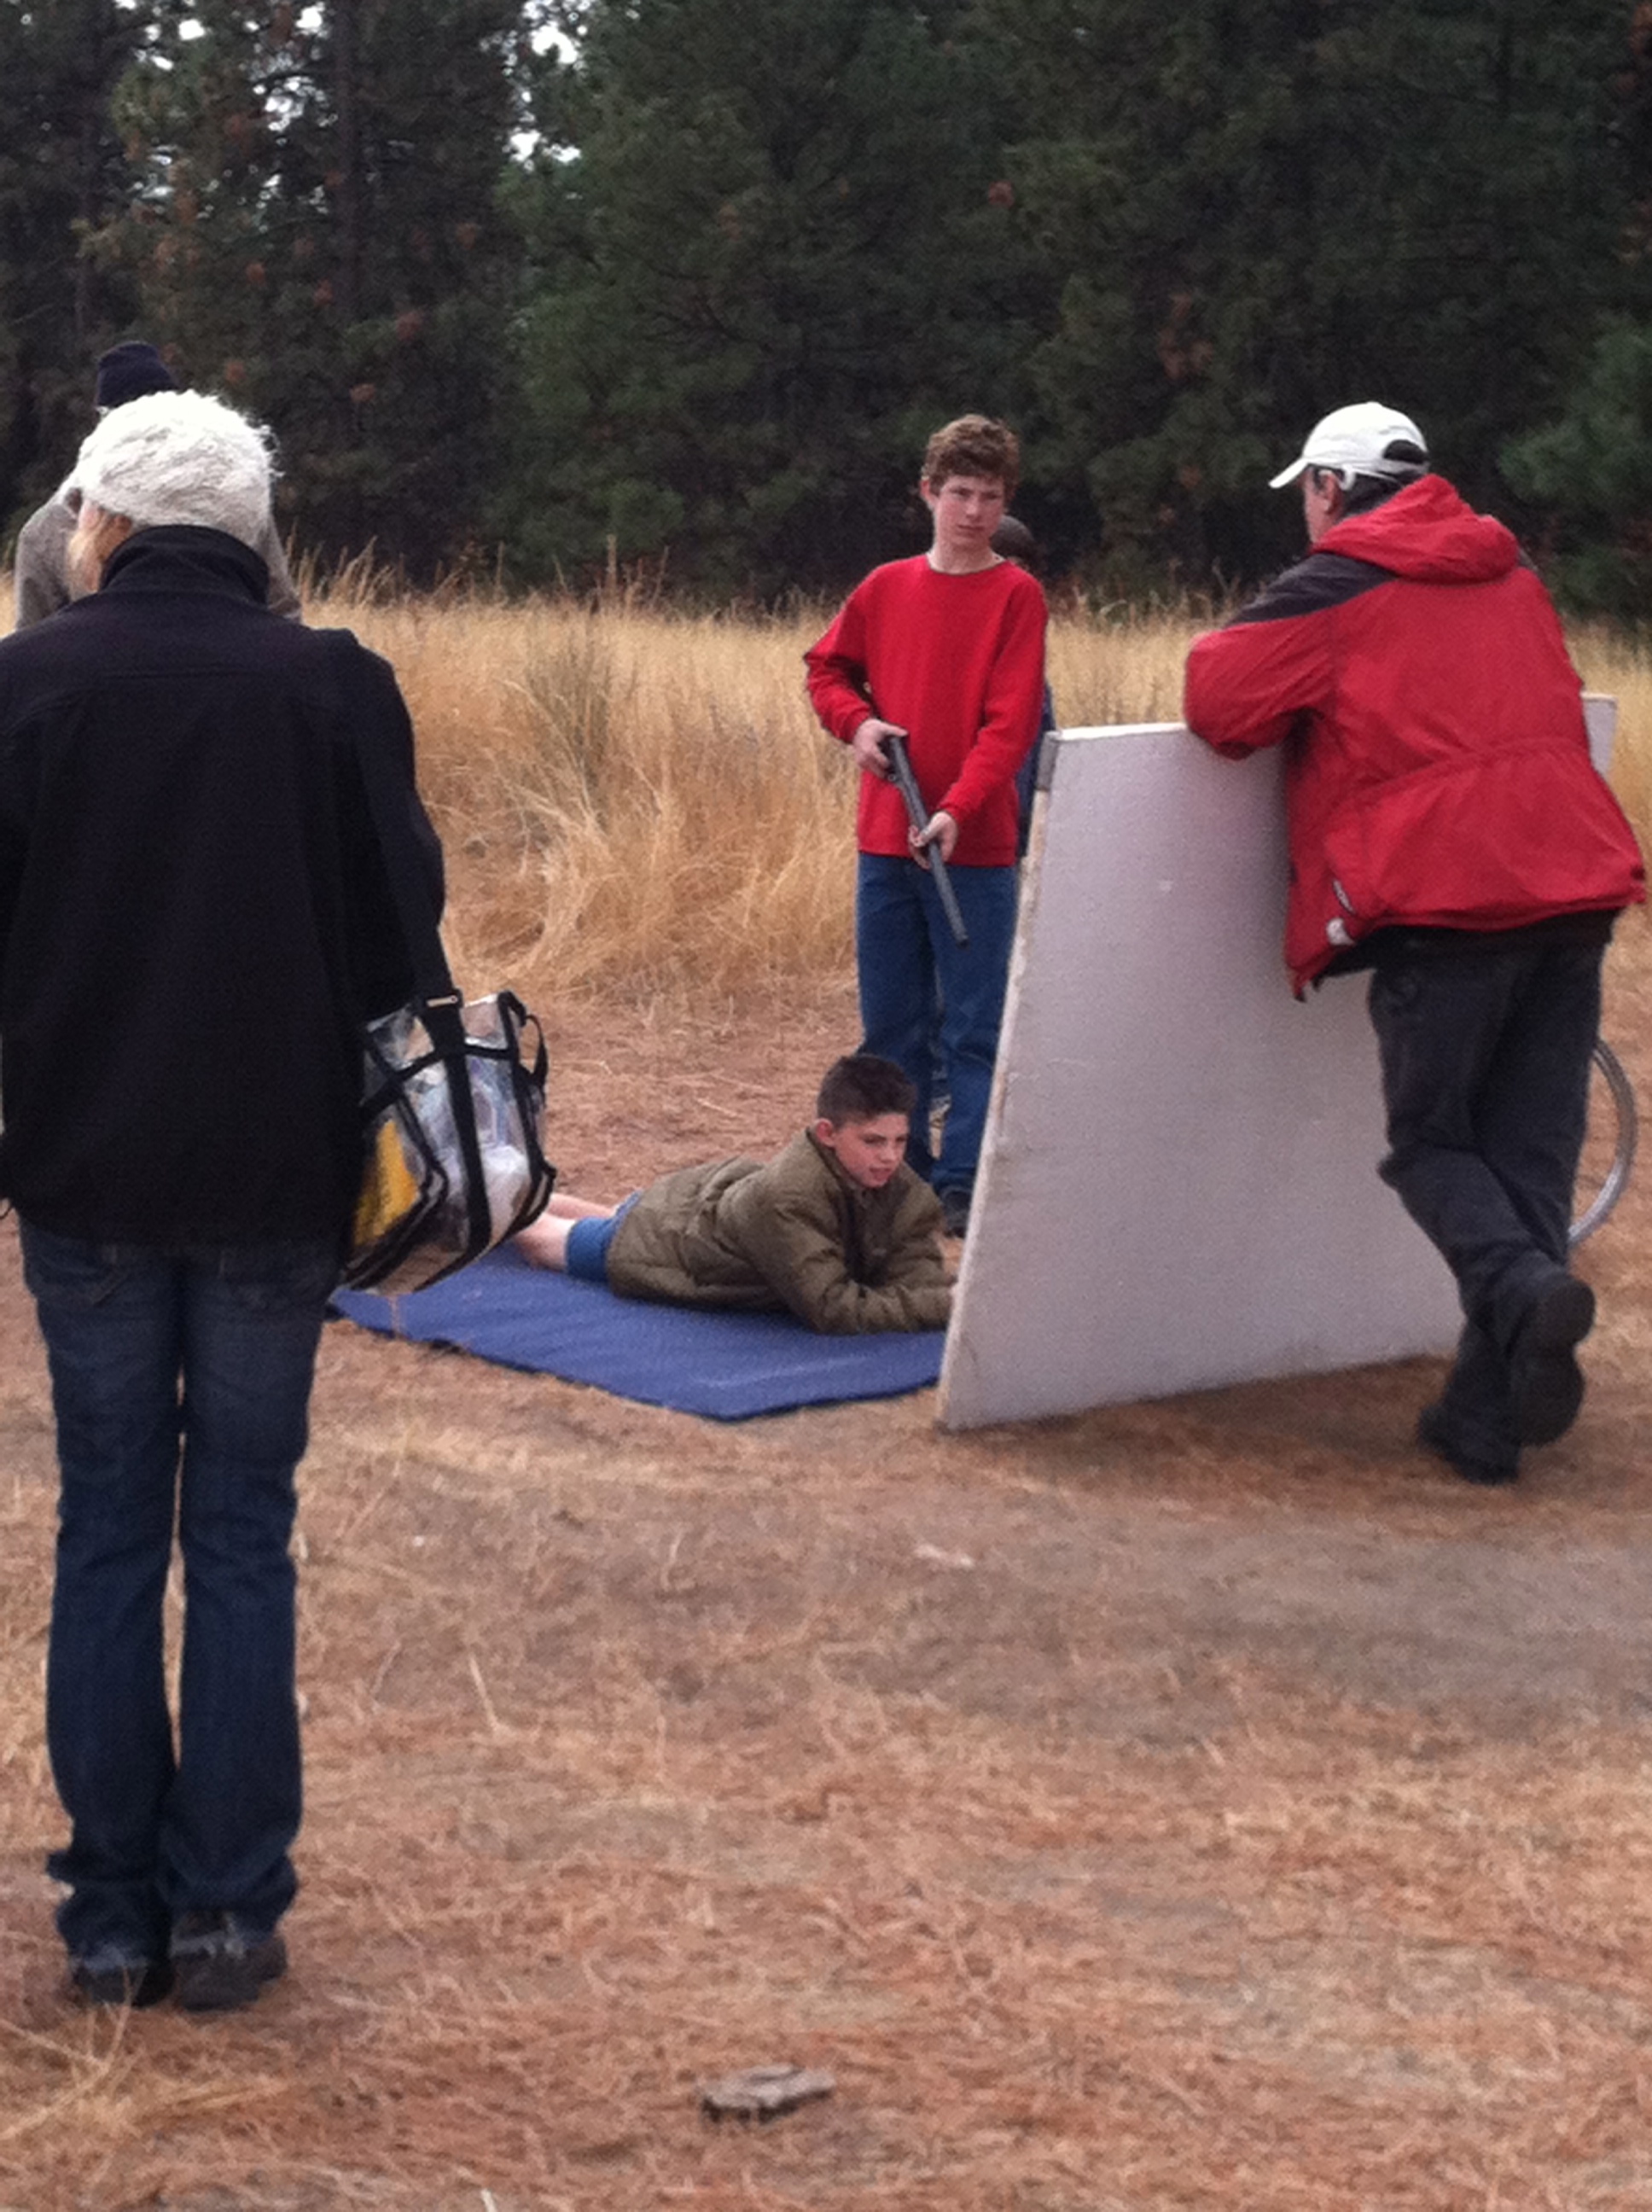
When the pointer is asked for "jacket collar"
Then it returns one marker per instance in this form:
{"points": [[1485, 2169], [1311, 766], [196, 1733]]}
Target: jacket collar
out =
{"points": [[178, 557], [855, 1192]]}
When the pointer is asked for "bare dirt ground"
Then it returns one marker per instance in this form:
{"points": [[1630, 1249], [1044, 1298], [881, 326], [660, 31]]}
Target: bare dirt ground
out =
{"points": [[1208, 1803]]}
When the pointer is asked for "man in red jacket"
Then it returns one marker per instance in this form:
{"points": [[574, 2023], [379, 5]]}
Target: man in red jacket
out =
{"points": [[948, 650], [1448, 832]]}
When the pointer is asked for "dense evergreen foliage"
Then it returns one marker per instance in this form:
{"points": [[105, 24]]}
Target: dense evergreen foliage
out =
{"points": [[681, 284], [60, 172]]}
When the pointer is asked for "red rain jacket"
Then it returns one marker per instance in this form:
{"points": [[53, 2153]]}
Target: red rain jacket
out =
{"points": [[1437, 771]]}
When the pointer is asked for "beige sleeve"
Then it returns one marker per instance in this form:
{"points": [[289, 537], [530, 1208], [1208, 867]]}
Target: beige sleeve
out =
{"points": [[283, 597]]}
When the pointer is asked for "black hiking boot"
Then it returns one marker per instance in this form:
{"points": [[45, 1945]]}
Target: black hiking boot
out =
{"points": [[220, 1965], [1433, 1434], [111, 1978], [1547, 1382]]}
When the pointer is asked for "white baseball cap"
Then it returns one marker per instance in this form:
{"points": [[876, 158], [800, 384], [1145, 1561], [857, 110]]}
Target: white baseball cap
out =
{"points": [[1354, 441]]}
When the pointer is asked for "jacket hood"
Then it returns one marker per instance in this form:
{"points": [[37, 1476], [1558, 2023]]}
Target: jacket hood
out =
{"points": [[1428, 533]]}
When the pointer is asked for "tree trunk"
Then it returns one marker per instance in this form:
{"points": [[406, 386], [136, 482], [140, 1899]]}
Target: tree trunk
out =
{"points": [[350, 197]]}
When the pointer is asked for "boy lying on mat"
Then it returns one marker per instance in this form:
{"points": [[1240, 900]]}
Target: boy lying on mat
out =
{"points": [[836, 1229]]}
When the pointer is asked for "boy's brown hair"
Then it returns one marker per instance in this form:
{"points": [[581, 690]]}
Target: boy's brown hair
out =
{"points": [[974, 446], [862, 1086]]}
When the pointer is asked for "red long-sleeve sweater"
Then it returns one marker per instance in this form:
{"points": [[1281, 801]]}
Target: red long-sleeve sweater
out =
{"points": [[956, 661]]}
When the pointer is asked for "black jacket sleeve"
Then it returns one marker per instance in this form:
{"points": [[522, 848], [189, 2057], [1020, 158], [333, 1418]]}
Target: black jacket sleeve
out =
{"points": [[381, 962]]}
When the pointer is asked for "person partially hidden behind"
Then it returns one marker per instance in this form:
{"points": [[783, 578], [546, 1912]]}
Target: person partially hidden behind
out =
{"points": [[1448, 831], [43, 578], [836, 1229]]}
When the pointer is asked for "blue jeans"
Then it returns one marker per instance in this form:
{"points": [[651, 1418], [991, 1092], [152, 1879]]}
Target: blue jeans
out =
{"points": [[904, 954], [585, 1255], [1485, 1068], [181, 1384]]}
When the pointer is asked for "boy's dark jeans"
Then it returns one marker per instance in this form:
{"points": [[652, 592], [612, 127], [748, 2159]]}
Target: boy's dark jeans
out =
{"points": [[1486, 1045]]}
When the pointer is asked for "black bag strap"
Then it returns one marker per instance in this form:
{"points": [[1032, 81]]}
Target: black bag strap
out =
{"points": [[386, 797]]}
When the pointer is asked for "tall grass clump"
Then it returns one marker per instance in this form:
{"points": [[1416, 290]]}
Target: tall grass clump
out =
{"points": [[1119, 664], [629, 796], [637, 797]]}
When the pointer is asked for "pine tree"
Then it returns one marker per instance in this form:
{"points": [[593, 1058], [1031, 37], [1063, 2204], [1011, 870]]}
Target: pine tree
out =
{"points": [[1259, 209], [61, 173], [768, 262], [322, 238]]}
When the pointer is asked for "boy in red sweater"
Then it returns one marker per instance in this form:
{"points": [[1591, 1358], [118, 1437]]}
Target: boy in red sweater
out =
{"points": [[947, 649]]}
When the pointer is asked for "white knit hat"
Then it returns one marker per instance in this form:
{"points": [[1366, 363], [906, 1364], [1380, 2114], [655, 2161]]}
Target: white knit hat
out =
{"points": [[179, 457], [1354, 441]]}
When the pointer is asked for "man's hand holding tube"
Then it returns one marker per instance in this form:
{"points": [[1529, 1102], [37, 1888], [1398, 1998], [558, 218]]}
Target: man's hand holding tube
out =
{"points": [[867, 746], [940, 830]]}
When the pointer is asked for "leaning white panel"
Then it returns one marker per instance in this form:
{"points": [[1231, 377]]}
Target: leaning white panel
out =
{"points": [[1178, 1185]]}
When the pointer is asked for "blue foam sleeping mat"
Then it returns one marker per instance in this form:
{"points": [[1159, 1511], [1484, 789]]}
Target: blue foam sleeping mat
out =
{"points": [[728, 1367]]}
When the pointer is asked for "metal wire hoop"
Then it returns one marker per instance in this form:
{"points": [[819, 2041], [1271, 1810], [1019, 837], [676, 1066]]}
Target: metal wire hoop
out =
{"points": [[1614, 1181]]}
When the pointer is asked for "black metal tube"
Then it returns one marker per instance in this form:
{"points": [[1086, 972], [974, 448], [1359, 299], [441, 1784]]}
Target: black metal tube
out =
{"points": [[895, 751]]}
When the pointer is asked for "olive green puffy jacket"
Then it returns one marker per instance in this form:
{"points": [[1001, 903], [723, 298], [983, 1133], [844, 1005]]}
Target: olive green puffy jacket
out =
{"points": [[796, 1234]]}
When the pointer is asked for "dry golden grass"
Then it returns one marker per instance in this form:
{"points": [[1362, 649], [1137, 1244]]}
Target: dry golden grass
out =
{"points": [[641, 801], [629, 797]]}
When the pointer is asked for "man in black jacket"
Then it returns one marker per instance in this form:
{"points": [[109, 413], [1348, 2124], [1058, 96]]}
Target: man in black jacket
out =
{"points": [[194, 924]]}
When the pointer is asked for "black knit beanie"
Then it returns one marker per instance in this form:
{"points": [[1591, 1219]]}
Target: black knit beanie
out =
{"points": [[128, 371]]}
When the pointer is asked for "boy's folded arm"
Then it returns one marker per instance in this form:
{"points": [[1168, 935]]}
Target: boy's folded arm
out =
{"points": [[916, 1261], [797, 1250]]}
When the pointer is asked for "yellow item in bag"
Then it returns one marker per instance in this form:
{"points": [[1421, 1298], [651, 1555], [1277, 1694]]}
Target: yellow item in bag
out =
{"points": [[389, 1189]]}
